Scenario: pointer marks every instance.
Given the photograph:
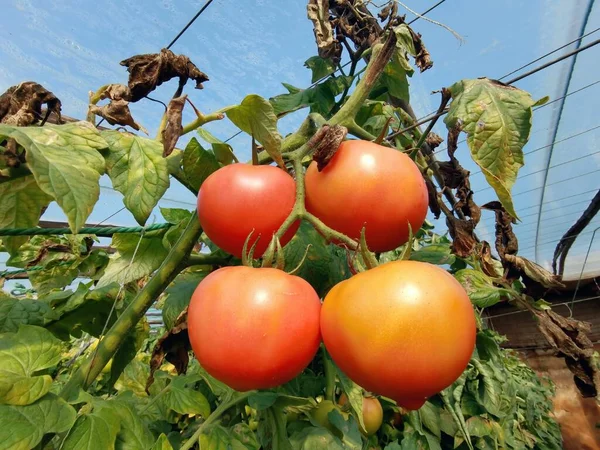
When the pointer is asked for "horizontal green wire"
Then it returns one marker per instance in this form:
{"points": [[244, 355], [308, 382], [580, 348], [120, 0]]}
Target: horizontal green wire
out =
{"points": [[98, 231]]}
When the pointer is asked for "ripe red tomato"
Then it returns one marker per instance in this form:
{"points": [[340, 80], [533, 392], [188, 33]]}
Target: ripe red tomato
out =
{"points": [[368, 185], [254, 328], [372, 414], [238, 198], [405, 329]]}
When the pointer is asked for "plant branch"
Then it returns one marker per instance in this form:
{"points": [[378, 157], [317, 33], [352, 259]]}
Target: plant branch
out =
{"points": [[110, 343], [208, 259], [201, 120], [446, 96], [216, 414], [358, 131], [329, 369]]}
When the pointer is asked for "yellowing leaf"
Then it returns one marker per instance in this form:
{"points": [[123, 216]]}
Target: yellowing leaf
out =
{"points": [[137, 170], [497, 120]]}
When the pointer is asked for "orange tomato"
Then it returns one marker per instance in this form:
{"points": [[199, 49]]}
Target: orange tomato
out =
{"points": [[239, 198], [405, 329], [254, 328], [372, 413], [368, 185]]}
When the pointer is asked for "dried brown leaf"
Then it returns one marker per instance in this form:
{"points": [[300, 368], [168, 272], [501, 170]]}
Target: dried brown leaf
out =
{"points": [[422, 58], [146, 72], [487, 260], [174, 127], [434, 140], [328, 46], [506, 241], [173, 346], [21, 105], [116, 92], [326, 142], [434, 206], [534, 271], [117, 113], [463, 238]]}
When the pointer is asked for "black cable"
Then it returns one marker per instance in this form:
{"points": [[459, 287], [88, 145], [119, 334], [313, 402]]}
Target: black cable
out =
{"points": [[189, 23], [426, 12]]}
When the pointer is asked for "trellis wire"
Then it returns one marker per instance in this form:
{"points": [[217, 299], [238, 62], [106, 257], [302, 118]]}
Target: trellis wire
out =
{"points": [[98, 231]]}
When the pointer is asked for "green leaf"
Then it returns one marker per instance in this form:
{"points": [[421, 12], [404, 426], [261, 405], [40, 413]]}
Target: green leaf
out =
{"points": [[178, 295], [162, 443], [245, 435], [349, 429], [22, 427], [480, 288], [23, 354], [96, 430], [325, 264], [66, 164], [138, 171], [439, 254], [313, 438], [176, 215], [223, 151], [15, 312], [198, 163], [185, 400], [430, 417], [355, 396], [133, 433], [393, 446], [256, 116], [289, 404], [320, 67], [21, 207], [479, 427], [262, 400], [497, 120], [394, 76], [134, 378], [218, 438], [123, 267], [128, 349]]}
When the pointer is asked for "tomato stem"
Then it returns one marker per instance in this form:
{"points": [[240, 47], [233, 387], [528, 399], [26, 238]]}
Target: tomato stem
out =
{"points": [[109, 344], [329, 369], [216, 414]]}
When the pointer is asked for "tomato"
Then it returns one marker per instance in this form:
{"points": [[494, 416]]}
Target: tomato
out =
{"points": [[368, 185], [239, 198], [321, 414], [254, 328], [405, 329], [372, 414]]}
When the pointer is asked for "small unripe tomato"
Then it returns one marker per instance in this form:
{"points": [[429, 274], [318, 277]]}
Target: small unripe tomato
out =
{"points": [[372, 414]]}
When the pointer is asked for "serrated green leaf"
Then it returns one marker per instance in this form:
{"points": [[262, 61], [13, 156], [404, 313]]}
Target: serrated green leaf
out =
{"points": [[497, 120], [218, 438], [21, 207], [393, 446], [137, 170], [176, 215], [430, 417], [245, 435], [262, 400], [149, 256], [320, 67], [66, 164], [198, 163], [128, 349], [223, 151], [256, 116], [394, 76], [23, 354], [178, 295], [134, 378], [162, 443], [480, 288], [22, 427], [185, 400], [289, 404], [96, 430], [15, 312], [133, 433]]}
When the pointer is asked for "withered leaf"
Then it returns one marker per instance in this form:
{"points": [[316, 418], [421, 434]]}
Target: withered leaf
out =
{"points": [[117, 113], [506, 241], [534, 271], [422, 57], [434, 140], [488, 263], [21, 105], [434, 206], [463, 239], [173, 346], [568, 337], [173, 128], [328, 46], [354, 21], [115, 92], [148, 71]]}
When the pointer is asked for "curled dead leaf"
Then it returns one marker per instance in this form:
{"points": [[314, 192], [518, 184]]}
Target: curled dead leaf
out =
{"points": [[463, 237], [117, 113], [534, 271], [173, 346], [325, 143], [21, 105], [148, 71], [328, 46], [173, 127]]}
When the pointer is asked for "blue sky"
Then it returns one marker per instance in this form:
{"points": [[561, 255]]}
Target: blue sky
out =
{"points": [[251, 46]]}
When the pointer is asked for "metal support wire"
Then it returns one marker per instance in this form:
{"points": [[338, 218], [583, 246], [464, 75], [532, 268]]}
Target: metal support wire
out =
{"points": [[587, 254]]}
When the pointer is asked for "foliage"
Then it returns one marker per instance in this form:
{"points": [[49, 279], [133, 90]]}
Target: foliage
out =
{"points": [[63, 387]]}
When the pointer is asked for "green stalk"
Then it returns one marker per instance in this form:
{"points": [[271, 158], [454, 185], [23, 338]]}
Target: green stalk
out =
{"points": [[201, 120], [216, 414], [329, 369], [110, 343]]}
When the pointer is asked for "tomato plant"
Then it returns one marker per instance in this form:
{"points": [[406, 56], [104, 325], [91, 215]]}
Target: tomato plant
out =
{"points": [[240, 199], [412, 339], [371, 186], [235, 360], [254, 328]]}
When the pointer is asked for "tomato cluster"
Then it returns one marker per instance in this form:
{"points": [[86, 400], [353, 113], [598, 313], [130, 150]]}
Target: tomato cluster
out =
{"points": [[405, 329]]}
